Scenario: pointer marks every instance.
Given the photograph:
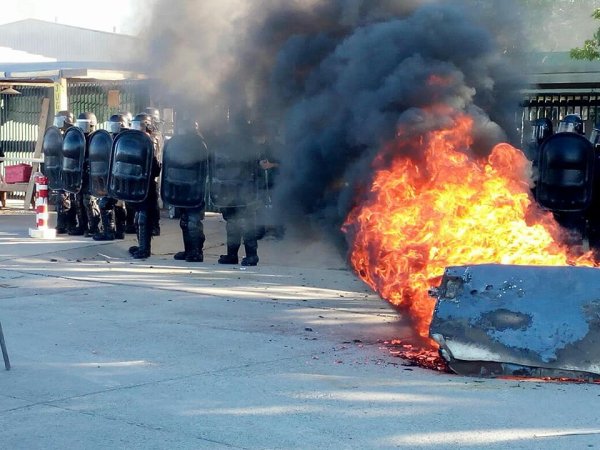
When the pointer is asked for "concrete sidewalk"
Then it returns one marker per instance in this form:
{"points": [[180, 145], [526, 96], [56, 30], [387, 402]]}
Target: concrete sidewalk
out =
{"points": [[113, 353]]}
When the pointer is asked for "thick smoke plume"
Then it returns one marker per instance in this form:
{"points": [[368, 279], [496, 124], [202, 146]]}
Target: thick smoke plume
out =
{"points": [[327, 83]]}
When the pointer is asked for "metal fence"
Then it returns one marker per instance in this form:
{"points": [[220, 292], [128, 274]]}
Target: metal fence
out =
{"points": [[555, 106], [19, 124], [105, 98], [19, 118]]}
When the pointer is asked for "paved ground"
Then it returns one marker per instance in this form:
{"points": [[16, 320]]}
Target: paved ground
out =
{"points": [[111, 353]]}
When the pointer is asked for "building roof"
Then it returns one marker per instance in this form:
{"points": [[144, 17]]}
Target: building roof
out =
{"points": [[65, 42], [33, 49]]}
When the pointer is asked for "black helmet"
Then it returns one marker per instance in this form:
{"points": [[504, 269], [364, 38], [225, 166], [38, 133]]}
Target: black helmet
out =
{"points": [[540, 130], [128, 117], [86, 122], [187, 125], [571, 123], [142, 122], [153, 113], [117, 123], [64, 119]]}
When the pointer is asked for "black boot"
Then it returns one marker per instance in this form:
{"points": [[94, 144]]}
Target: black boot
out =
{"points": [[196, 239], [144, 237], [130, 220], [94, 227], [108, 226], [82, 220], [251, 258], [185, 233], [232, 255], [120, 217], [61, 222], [250, 244]]}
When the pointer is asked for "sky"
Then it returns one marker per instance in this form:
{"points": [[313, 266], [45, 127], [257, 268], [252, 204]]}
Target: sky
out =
{"points": [[122, 16]]}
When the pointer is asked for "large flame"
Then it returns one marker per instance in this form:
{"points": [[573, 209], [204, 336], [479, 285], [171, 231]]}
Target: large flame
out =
{"points": [[448, 209]]}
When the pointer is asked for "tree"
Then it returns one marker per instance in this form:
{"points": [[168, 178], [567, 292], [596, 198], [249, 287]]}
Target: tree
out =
{"points": [[591, 47]]}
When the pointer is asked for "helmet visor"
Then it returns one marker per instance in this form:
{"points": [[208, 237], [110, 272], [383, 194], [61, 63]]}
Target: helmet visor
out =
{"points": [[59, 121], [84, 125], [114, 127]]}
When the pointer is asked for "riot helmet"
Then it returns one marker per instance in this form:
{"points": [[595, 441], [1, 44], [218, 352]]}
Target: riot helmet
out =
{"points": [[571, 123], [187, 126], [63, 119], [87, 122], [153, 113], [128, 117], [117, 123], [142, 122], [540, 130]]}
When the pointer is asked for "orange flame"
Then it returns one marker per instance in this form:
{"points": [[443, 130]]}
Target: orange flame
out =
{"points": [[448, 210]]}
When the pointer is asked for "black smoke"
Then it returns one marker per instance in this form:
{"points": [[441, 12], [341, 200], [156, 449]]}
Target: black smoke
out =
{"points": [[328, 83]]}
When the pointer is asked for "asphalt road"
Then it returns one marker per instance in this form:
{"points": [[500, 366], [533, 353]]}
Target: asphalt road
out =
{"points": [[112, 353]]}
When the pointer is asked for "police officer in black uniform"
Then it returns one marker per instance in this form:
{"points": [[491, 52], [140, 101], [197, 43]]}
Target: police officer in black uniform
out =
{"points": [[183, 185], [145, 210], [112, 211], [66, 218], [86, 205], [234, 191], [158, 138]]}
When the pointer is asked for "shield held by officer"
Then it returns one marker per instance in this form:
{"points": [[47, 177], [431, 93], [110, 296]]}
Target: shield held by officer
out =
{"points": [[184, 170], [131, 166], [52, 150], [566, 165], [100, 149], [73, 156]]}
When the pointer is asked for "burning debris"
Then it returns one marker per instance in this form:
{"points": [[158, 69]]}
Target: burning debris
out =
{"points": [[389, 119]]}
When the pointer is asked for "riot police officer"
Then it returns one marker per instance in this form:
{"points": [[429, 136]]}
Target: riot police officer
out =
{"points": [[145, 210], [66, 219], [86, 205], [129, 210], [183, 183], [233, 191], [112, 211]]}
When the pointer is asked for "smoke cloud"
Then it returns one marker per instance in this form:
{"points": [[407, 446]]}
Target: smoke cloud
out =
{"points": [[328, 83]]}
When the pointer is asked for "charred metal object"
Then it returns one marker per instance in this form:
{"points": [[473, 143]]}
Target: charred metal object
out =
{"points": [[528, 321]]}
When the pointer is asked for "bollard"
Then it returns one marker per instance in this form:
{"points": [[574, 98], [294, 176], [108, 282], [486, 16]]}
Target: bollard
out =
{"points": [[4, 351], [41, 209]]}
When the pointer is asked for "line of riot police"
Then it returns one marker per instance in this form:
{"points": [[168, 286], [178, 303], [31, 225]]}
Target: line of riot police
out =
{"points": [[113, 173], [566, 167]]}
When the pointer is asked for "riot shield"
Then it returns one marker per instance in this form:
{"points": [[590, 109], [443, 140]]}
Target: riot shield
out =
{"points": [[233, 183], [184, 170], [566, 170], [131, 166], [99, 149], [52, 149], [73, 157]]}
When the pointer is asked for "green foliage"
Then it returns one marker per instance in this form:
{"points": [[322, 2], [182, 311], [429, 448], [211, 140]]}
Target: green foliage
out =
{"points": [[591, 47]]}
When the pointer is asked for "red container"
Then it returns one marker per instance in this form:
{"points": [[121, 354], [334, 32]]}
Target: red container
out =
{"points": [[19, 173]]}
